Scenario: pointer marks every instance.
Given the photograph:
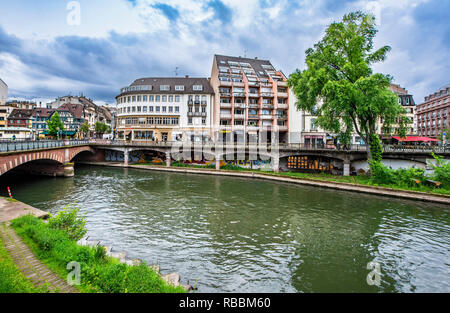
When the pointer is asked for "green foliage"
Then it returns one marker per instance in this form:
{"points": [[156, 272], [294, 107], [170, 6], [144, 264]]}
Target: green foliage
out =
{"points": [[101, 128], [69, 221], [54, 124], [99, 273], [376, 149], [380, 173], [441, 171], [339, 73], [84, 129]]}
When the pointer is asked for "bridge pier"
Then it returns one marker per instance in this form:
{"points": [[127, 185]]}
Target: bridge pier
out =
{"points": [[218, 160], [276, 164], [346, 168], [126, 157], [168, 159], [69, 170]]}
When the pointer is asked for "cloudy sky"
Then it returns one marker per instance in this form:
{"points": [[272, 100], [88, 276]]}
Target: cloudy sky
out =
{"points": [[45, 52]]}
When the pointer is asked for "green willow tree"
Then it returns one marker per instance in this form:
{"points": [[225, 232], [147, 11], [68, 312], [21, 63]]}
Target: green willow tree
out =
{"points": [[55, 124], [340, 77]]}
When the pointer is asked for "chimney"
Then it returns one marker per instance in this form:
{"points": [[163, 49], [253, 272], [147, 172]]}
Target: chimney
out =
{"points": [[256, 58], [187, 76]]}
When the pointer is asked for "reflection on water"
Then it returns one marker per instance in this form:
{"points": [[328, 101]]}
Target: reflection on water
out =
{"points": [[237, 235]]}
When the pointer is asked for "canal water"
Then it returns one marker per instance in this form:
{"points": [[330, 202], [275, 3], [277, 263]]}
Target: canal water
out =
{"points": [[238, 235]]}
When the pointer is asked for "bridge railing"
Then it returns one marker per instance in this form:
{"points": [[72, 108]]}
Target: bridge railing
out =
{"points": [[13, 146]]}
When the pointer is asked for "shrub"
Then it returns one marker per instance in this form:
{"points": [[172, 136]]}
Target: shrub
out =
{"points": [[408, 176], [70, 222], [441, 171], [381, 174]]}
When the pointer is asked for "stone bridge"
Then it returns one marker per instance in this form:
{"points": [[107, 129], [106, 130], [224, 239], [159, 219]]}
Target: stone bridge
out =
{"points": [[49, 158], [56, 158]]}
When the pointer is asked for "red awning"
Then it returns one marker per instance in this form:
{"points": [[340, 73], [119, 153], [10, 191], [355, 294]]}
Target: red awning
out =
{"points": [[415, 139]]}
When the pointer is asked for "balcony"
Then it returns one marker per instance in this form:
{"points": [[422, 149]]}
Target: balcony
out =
{"points": [[266, 116], [253, 106], [282, 95], [253, 84], [239, 105], [204, 114], [253, 116], [239, 94], [282, 117], [253, 95], [190, 102], [283, 128], [204, 103], [267, 94], [283, 106], [268, 106], [226, 83], [225, 116], [225, 105], [282, 84], [238, 84], [225, 94], [239, 116]]}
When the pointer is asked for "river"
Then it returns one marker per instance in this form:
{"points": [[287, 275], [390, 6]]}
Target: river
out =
{"points": [[239, 235]]}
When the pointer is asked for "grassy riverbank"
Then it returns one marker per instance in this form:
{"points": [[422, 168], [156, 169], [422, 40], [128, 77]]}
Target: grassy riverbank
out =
{"points": [[361, 180], [11, 279], [99, 273]]}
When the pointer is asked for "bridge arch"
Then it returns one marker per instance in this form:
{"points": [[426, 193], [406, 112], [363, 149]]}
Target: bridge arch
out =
{"points": [[7, 163]]}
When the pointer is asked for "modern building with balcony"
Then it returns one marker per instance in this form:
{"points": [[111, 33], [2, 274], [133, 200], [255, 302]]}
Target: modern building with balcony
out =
{"points": [[252, 100], [433, 114], [166, 109]]}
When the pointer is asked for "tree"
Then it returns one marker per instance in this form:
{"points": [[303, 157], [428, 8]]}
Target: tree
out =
{"points": [[55, 124], [84, 129], [339, 74], [101, 128]]}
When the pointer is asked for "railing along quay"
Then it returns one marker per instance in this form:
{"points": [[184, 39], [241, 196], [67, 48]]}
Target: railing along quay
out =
{"points": [[350, 148], [13, 146]]}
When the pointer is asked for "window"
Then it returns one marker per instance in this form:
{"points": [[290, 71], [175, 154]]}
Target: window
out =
{"points": [[164, 98], [158, 98], [150, 109], [158, 121], [134, 98], [128, 109], [179, 88], [190, 120], [144, 109], [164, 109], [203, 121], [152, 98], [170, 98], [150, 120], [134, 109], [177, 109], [139, 98], [177, 98], [170, 109], [145, 98], [158, 109], [164, 87], [198, 87]]}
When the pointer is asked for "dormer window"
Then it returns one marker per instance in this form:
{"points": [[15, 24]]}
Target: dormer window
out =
{"points": [[179, 88], [198, 87], [164, 88]]}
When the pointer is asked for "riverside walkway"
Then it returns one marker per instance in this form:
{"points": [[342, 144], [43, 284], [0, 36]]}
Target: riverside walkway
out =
{"points": [[34, 270], [23, 257]]}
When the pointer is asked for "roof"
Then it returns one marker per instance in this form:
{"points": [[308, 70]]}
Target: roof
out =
{"points": [[415, 139], [25, 113], [75, 109], [156, 82], [43, 112], [1, 80], [256, 64]]}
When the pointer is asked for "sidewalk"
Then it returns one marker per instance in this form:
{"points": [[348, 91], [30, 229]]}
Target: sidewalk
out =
{"points": [[38, 273]]}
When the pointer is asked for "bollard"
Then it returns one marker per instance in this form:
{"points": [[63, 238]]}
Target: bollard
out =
{"points": [[9, 191]]}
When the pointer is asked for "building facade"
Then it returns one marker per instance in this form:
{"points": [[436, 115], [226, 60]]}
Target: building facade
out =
{"points": [[21, 118], [3, 92], [252, 100], [432, 115], [165, 109], [406, 100], [15, 133]]}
